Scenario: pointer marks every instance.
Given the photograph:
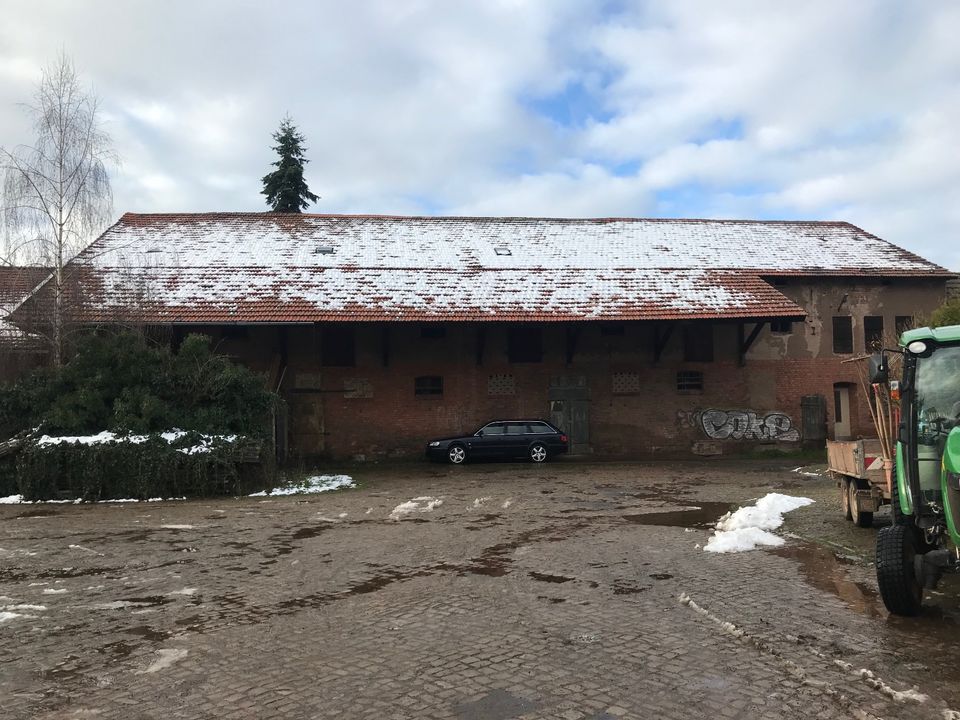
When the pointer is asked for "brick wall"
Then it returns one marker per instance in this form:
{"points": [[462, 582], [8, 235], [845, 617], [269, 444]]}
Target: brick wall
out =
{"points": [[635, 407]]}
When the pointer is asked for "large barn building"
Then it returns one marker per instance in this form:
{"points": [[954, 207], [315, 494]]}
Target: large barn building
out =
{"points": [[638, 337]]}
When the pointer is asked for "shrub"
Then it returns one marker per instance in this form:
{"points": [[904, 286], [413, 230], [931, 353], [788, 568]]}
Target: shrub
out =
{"points": [[150, 468], [123, 382], [946, 314]]}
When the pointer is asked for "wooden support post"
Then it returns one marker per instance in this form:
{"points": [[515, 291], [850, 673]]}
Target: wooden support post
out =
{"points": [[744, 344], [385, 344], [660, 339]]}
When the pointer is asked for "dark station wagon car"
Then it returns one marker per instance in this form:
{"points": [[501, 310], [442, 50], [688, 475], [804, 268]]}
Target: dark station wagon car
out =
{"points": [[536, 440]]}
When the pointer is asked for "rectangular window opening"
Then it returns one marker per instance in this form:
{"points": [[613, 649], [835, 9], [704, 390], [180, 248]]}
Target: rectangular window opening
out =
{"points": [[428, 385], [690, 381], [872, 332], [903, 323], [780, 326], [843, 335]]}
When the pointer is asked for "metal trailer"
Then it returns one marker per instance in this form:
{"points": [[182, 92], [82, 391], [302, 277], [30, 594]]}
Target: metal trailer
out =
{"points": [[863, 476]]}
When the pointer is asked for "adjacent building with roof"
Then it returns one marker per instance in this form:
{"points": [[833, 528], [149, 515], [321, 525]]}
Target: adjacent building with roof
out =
{"points": [[636, 336], [19, 351]]}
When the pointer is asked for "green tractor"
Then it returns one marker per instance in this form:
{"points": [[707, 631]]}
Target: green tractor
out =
{"points": [[924, 541]]}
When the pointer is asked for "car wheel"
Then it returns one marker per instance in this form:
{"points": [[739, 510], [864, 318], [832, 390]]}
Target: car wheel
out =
{"points": [[456, 454], [538, 452]]}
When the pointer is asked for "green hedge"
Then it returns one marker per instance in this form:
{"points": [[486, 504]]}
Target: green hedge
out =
{"points": [[148, 469]]}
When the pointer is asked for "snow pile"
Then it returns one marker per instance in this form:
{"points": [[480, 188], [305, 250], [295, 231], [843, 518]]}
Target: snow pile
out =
{"points": [[204, 443], [315, 484], [421, 504], [18, 500], [750, 526]]}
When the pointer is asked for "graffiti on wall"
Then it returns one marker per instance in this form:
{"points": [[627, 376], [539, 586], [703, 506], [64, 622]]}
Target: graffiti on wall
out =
{"points": [[740, 424]]}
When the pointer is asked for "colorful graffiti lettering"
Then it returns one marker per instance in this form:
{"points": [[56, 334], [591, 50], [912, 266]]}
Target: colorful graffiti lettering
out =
{"points": [[747, 425]]}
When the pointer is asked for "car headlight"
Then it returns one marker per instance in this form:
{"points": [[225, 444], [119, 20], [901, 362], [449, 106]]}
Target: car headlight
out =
{"points": [[435, 443]]}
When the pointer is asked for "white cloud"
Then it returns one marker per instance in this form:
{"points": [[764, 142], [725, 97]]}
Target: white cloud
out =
{"points": [[695, 108]]}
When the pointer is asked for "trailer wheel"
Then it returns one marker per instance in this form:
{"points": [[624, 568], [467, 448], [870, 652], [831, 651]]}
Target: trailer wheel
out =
{"points": [[902, 593], [861, 519], [845, 497]]}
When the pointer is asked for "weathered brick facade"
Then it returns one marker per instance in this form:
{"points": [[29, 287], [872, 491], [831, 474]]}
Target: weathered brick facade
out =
{"points": [[633, 404]]}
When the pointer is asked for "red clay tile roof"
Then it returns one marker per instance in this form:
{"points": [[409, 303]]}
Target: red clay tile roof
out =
{"points": [[266, 267], [16, 283]]}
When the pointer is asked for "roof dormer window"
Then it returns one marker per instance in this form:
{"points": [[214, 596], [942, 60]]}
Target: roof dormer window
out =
{"points": [[502, 250]]}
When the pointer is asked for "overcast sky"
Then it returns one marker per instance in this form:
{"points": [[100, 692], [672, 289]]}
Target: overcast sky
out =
{"points": [[737, 109]]}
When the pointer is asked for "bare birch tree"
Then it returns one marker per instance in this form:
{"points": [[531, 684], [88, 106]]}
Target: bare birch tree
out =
{"points": [[56, 192]]}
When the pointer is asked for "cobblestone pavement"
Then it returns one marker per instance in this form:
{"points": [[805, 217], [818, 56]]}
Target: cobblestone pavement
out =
{"points": [[562, 591]]}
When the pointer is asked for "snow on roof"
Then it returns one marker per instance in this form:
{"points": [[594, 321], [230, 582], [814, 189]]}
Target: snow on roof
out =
{"points": [[267, 267]]}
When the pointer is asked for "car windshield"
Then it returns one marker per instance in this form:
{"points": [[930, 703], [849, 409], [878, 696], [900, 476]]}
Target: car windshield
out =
{"points": [[938, 388]]}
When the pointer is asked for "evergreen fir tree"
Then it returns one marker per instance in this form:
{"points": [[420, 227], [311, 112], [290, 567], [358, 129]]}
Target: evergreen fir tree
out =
{"points": [[285, 188]]}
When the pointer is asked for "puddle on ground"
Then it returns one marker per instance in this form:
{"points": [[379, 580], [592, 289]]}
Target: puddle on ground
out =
{"points": [[627, 590], [823, 570], [545, 577], [310, 532], [148, 601], [704, 515], [148, 633]]}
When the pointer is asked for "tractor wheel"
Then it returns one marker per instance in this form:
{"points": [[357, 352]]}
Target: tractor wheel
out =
{"points": [[845, 497], [902, 593], [860, 519]]}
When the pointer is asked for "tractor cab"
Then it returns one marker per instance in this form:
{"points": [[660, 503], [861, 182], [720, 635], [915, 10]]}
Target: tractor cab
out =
{"points": [[923, 542]]}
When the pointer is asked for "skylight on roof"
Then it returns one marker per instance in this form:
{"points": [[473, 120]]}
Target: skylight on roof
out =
{"points": [[323, 250], [502, 251]]}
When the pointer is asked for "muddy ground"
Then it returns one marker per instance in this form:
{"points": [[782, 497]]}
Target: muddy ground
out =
{"points": [[571, 590]]}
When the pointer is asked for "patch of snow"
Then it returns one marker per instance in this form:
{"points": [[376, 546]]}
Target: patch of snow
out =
{"points": [[750, 526], [176, 527], [119, 605], [18, 500], [315, 484], [896, 695], [52, 591], [205, 442], [167, 658], [424, 503], [342, 515], [185, 591], [81, 547], [507, 503], [480, 501], [24, 607], [8, 616]]}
